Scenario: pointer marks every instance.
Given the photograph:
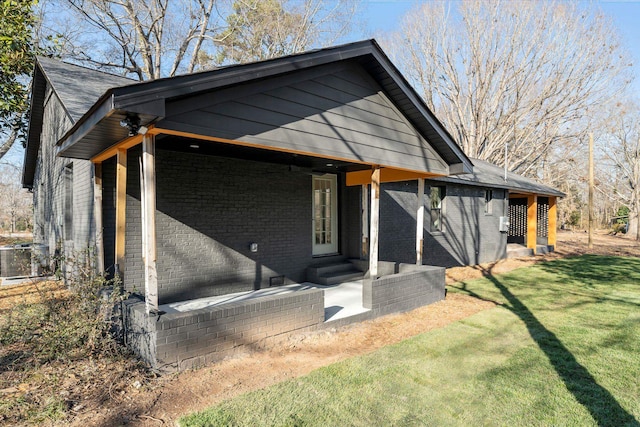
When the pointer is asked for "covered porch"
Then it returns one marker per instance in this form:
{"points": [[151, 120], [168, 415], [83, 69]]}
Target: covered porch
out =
{"points": [[240, 179], [532, 223]]}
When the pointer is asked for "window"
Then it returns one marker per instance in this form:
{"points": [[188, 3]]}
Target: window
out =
{"points": [[437, 198], [488, 202], [68, 202]]}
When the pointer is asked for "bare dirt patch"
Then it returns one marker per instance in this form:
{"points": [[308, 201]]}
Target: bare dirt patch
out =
{"points": [[107, 394]]}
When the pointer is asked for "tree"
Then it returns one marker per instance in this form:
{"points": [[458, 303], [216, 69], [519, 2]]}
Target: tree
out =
{"points": [[145, 38], [263, 29], [621, 147], [529, 74], [15, 202], [16, 62], [161, 38]]}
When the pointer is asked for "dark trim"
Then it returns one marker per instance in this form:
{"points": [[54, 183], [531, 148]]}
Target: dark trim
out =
{"points": [[36, 111], [101, 111]]}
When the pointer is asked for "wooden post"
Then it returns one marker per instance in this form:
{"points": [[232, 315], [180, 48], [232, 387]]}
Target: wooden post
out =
{"points": [[121, 208], [420, 223], [553, 222], [532, 222], [591, 186], [375, 218], [97, 213], [365, 221], [148, 208]]}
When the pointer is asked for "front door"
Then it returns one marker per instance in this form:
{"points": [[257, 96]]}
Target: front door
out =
{"points": [[325, 214]]}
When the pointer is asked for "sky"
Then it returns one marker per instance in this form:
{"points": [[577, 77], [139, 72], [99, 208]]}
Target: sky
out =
{"points": [[381, 16], [385, 15]]}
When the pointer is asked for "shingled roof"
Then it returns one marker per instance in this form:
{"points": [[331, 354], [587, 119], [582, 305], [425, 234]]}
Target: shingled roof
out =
{"points": [[78, 88], [487, 174], [81, 90]]}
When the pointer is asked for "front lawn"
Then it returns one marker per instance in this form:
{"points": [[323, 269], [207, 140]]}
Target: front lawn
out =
{"points": [[563, 348]]}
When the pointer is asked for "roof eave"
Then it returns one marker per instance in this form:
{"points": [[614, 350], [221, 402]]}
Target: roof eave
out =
{"points": [[101, 110], [35, 127]]}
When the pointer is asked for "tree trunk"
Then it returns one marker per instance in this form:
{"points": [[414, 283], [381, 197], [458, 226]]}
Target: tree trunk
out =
{"points": [[6, 146]]}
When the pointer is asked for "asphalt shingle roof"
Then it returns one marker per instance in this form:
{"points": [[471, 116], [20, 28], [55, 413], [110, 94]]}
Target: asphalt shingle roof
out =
{"points": [[78, 87], [487, 174]]}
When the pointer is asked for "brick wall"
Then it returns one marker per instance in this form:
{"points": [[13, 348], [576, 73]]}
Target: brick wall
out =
{"points": [[413, 286], [195, 338], [209, 210], [109, 213], [469, 236]]}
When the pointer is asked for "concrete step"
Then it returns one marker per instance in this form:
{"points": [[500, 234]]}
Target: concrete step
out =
{"points": [[332, 273], [340, 277], [544, 249], [518, 251], [324, 270]]}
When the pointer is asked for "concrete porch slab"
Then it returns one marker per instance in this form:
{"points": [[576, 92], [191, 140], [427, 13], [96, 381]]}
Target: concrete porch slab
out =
{"points": [[340, 301]]}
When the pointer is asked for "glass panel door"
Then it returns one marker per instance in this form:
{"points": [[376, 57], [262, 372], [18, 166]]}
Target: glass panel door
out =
{"points": [[325, 215]]}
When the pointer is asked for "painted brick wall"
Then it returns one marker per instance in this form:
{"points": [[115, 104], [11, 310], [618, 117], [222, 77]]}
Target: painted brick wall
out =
{"points": [[109, 213], [469, 237], [195, 338], [351, 217], [413, 286], [209, 210]]}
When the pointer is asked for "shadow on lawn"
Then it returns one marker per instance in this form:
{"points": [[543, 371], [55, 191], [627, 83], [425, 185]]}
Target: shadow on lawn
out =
{"points": [[600, 403]]}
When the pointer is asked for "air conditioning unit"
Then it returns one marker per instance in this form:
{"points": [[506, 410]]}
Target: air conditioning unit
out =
{"points": [[23, 260], [504, 224], [15, 261]]}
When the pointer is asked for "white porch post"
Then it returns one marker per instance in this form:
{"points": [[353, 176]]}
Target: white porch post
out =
{"points": [[375, 217], [365, 221], [420, 222], [97, 213], [148, 209]]}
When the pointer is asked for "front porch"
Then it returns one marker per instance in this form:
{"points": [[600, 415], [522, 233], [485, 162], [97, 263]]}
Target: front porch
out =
{"points": [[532, 224], [189, 334]]}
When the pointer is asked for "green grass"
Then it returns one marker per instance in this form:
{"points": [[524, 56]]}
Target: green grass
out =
{"points": [[563, 348]]}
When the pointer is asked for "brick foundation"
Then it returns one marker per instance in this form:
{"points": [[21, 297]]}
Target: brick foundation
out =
{"points": [[199, 337]]}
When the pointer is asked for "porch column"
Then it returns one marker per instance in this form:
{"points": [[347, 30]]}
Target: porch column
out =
{"points": [[365, 221], [375, 218], [148, 209], [121, 208], [532, 222], [553, 222], [420, 222], [97, 214]]}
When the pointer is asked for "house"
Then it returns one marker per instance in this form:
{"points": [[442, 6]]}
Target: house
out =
{"points": [[244, 183]]}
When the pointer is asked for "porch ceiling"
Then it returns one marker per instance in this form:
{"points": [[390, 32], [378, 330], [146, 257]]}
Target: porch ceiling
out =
{"points": [[312, 164]]}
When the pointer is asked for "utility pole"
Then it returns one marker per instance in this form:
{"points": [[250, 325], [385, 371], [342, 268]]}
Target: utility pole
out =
{"points": [[591, 185]]}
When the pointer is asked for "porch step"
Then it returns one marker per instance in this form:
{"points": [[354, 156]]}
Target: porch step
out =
{"points": [[333, 273], [518, 251], [544, 249]]}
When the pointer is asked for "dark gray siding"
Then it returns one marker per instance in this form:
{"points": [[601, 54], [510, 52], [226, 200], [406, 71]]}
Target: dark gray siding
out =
{"points": [[469, 237], [334, 111], [209, 210], [49, 188]]}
